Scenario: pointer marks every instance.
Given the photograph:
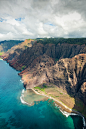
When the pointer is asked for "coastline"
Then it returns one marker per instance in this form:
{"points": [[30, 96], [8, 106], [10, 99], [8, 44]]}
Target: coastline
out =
{"points": [[1, 59], [63, 108], [54, 100]]}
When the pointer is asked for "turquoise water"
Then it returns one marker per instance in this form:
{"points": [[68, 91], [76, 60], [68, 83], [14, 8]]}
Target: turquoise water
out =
{"points": [[16, 115]]}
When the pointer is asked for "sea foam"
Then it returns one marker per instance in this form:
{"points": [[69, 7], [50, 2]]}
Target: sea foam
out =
{"points": [[22, 98], [21, 81], [23, 91], [68, 114], [22, 101]]}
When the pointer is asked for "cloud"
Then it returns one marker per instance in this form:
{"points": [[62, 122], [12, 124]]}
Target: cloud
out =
{"points": [[21, 19]]}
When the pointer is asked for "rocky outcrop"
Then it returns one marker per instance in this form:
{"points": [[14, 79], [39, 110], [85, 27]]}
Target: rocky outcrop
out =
{"points": [[59, 51], [38, 64], [12, 54]]}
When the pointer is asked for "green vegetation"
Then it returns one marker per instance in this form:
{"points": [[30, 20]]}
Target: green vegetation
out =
{"points": [[37, 87], [57, 96], [44, 85], [61, 93], [42, 89], [26, 46], [56, 59], [1, 53], [23, 67], [5, 45], [53, 96], [80, 107], [28, 39], [79, 103], [79, 41]]}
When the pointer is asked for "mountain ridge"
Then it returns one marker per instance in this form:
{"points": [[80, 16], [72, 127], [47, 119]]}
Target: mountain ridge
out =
{"points": [[7, 44], [63, 65]]}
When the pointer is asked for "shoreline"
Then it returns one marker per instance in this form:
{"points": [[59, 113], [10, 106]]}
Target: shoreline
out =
{"points": [[53, 99], [64, 109], [1, 59]]}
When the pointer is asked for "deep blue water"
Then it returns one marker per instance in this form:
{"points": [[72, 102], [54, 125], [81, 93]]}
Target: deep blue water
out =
{"points": [[41, 115]]}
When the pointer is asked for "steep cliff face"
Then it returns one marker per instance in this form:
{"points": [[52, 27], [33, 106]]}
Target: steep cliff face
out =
{"points": [[75, 71], [69, 74], [38, 64], [58, 51], [13, 53]]}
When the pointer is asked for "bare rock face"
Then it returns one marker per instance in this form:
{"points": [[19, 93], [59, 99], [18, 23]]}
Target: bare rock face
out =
{"points": [[38, 65], [13, 53], [36, 73], [69, 74], [76, 73], [29, 50]]}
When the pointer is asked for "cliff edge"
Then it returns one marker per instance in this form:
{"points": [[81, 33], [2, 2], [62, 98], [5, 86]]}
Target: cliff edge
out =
{"points": [[63, 65]]}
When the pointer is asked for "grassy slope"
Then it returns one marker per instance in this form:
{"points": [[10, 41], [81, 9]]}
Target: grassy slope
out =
{"points": [[61, 95], [1, 53]]}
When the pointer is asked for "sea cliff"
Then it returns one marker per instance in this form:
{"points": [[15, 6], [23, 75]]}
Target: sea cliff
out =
{"points": [[63, 65]]}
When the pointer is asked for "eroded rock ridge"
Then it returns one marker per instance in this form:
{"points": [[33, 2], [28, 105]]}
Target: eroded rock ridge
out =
{"points": [[63, 65]]}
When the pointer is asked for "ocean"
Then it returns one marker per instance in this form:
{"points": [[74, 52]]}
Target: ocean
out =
{"points": [[36, 112]]}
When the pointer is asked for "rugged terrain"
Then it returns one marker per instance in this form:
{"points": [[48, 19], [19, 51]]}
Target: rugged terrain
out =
{"points": [[7, 44], [62, 64]]}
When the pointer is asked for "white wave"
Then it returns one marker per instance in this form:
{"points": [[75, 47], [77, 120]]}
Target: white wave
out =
{"points": [[21, 81], [23, 91], [57, 106], [24, 102], [67, 114], [84, 122], [21, 98]]}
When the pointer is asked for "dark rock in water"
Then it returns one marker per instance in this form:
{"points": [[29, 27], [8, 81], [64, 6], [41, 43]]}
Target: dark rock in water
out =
{"points": [[25, 84]]}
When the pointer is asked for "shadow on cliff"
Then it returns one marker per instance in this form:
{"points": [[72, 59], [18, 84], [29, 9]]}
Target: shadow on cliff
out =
{"points": [[79, 119], [80, 108]]}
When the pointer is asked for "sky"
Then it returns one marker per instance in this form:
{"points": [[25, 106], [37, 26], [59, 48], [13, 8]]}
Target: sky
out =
{"points": [[25, 19]]}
